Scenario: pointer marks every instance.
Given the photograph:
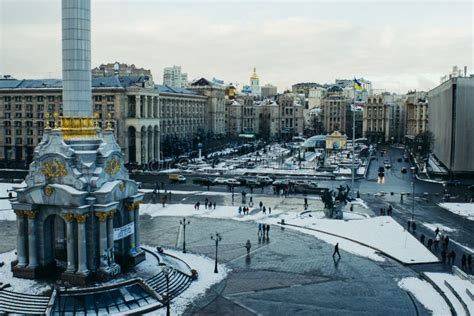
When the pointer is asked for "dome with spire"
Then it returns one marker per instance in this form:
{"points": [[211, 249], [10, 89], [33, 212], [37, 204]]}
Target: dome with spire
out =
{"points": [[254, 75]]}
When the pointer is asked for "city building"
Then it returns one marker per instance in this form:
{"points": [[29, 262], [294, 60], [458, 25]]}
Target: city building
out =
{"points": [[335, 111], [351, 92], [304, 87], [27, 106], [255, 84], [450, 120], [416, 107], [172, 76], [119, 69], [455, 72], [269, 91], [215, 93], [291, 115], [233, 117]]}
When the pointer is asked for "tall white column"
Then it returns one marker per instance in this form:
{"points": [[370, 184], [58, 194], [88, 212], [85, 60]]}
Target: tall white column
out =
{"points": [[102, 216], [110, 231], [32, 256], [138, 111], [138, 146], [71, 243], [20, 239], [82, 243]]}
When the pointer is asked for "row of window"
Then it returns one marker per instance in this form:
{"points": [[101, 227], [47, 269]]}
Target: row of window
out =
{"points": [[52, 98]]}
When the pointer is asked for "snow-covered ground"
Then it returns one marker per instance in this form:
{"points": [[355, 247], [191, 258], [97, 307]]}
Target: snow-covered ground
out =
{"points": [[222, 212], [461, 209], [442, 228], [459, 286], [382, 233], [426, 295]]}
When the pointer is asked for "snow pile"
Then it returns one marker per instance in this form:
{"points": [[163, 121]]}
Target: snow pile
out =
{"points": [[382, 233], [426, 295], [459, 285], [206, 278], [462, 209], [6, 213], [19, 285], [441, 227], [221, 212]]}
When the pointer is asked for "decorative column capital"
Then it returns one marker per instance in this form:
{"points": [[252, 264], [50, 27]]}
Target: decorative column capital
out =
{"points": [[69, 217], [132, 206], [20, 213], [81, 218], [102, 216], [111, 214], [30, 214]]}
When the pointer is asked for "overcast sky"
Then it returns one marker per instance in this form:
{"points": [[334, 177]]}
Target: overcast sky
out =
{"points": [[397, 45]]}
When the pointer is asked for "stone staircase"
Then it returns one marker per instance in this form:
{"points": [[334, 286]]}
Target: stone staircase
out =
{"points": [[178, 283], [19, 303]]}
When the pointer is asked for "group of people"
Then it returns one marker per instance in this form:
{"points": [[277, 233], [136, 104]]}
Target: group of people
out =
{"points": [[449, 257], [387, 212], [207, 205], [264, 209], [263, 230], [244, 209]]}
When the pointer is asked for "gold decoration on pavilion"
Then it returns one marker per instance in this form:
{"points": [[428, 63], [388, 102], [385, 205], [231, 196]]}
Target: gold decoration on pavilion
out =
{"points": [[132, 206], [81, 218], [111, 214], [46, 121], [109, 122], [30, 214], [79, 127], [122, 186], [102, 216], [48, 190], [54, 168], [56, 120], [20, 213], [112, 166], [69, 217]]}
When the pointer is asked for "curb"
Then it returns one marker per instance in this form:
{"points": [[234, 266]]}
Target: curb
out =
{"points": [[443, 295]]}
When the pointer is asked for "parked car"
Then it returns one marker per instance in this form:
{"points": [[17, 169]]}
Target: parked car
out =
{"points": [[232, 181], [252, 183], [203, 181], [177, 178], [220, 181], [264, 179]]}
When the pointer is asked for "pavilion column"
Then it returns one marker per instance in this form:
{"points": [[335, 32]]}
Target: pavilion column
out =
{"points": [[110, 232], [137, 229], [82, 243], [21, 238], [102, 216], [71, 243], [131, 219], [32, 249], [138, 147]]}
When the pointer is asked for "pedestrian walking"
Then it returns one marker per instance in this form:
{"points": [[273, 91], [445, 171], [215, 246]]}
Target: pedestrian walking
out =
{"points": [[260, 227], [210, 205], [198, 204], [261, 205], [381, 211], [422, 239], [408, 225], [264, 210], [430, 243], [240, 210], [443, 256], [214, 204], [469, 261], [436, 241], [248, 246], [453, 257], [305, 203], [446, 241], [268, 230], [436, 231], [413, 226], [336, 251], [449, 257], [205, 203], [269, 210], [389, 210], [251, 200], [463, 261]]}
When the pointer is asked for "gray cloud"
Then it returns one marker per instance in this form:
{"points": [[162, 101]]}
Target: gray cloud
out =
{"points": [[397, 51]]}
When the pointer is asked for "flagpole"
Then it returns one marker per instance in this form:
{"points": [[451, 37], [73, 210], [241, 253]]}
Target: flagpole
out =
{"points": [[353, 144]]}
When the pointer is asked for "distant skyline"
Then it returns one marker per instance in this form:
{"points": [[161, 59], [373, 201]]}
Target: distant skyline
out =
{"points": [[398, 46]]}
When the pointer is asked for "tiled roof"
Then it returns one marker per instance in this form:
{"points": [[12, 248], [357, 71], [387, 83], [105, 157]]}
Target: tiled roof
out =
{"points": [[178, 90]]}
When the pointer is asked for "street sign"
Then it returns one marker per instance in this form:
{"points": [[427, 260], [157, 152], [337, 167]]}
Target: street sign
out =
{"points": [[124, 231]]}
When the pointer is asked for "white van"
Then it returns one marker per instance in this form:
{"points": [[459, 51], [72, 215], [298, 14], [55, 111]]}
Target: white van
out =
{"points": [[264, 179]]}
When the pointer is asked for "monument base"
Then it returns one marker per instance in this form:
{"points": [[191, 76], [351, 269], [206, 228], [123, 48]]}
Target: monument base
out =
{"points": [[108, 273], [75, 278], [131, 259], [27, 272]]}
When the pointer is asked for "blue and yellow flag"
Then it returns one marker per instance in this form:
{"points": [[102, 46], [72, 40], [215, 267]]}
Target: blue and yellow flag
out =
{"points": [[358, 85]]}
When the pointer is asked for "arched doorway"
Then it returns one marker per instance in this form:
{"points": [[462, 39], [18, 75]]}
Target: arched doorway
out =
{"points": [[55, 242]]}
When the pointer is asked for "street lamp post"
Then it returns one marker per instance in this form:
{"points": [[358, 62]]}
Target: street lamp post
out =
{"points": [[184, 222], [166, 271], [217, 237], [353, 150], [413, 200]]}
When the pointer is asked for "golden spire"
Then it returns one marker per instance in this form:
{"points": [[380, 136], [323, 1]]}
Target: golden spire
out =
{"points": [[254, 75], [46, 120], [56, 120], [109, 123]]}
